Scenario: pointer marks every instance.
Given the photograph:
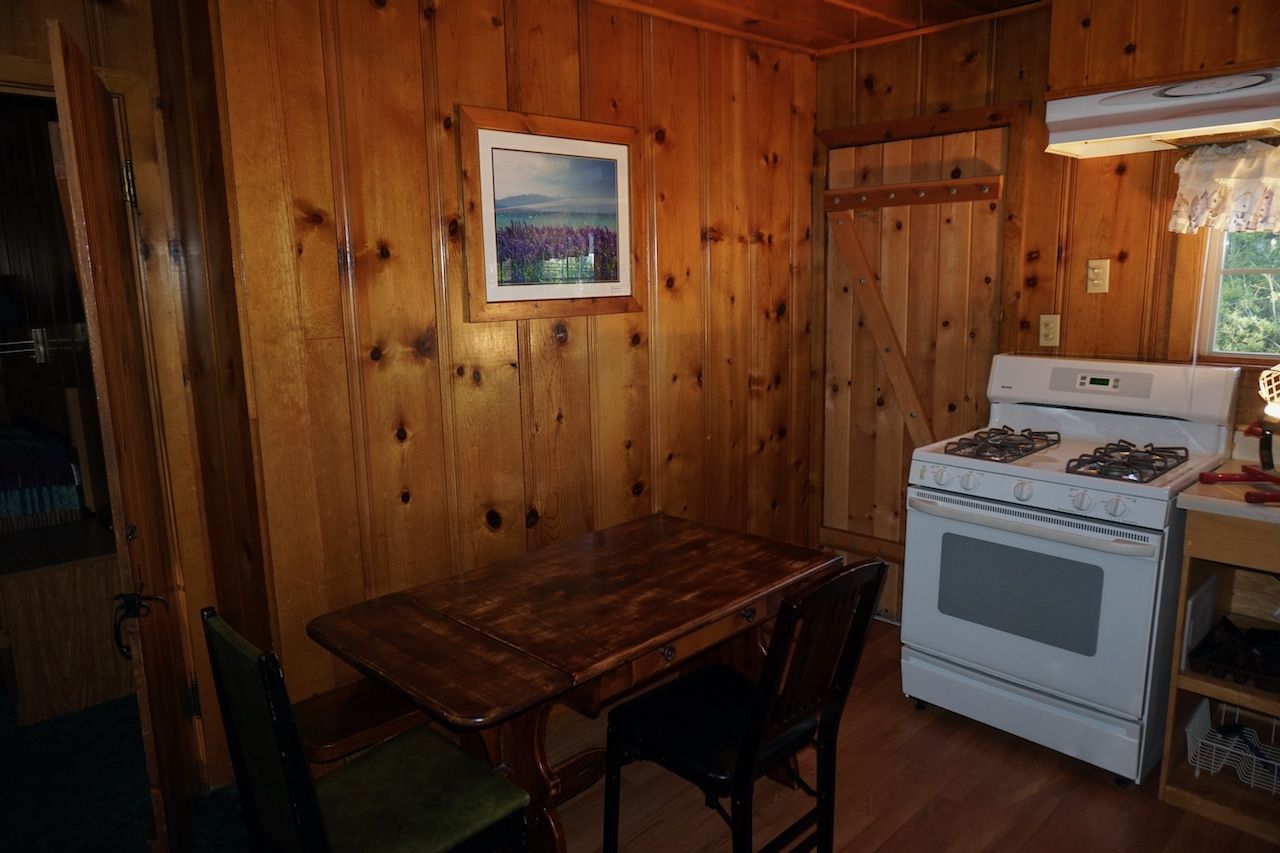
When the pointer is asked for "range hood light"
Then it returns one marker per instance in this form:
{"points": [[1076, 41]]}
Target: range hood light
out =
{"points": [[1160, 118]]}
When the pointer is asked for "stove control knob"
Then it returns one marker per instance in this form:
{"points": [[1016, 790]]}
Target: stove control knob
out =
{"points": [[1116, 507], [1081, 501], [968, 481], [1022, 490], [941, 476]]}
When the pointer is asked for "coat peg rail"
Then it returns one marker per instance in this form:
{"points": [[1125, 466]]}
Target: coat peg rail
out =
{"points": [[916, 192]]}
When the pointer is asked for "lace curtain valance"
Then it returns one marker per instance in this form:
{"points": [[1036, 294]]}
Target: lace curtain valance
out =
{"points": [[1228, 187]]}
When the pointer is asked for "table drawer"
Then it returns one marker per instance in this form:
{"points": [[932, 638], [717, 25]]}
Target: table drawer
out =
{"points": [[669, 656]]}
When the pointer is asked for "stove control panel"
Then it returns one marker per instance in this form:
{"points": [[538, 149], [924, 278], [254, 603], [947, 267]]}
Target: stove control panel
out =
{"points": [[1095, 500]]}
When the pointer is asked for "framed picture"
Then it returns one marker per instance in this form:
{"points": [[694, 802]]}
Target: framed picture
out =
{"points": [[550, 214]]}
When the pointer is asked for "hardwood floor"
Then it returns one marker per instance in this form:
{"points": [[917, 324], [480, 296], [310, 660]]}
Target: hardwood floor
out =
{"points": [[910, 780]]}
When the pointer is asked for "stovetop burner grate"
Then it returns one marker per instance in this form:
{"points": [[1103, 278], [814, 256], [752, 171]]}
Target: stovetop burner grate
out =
{"points": [[1124, 460], [1001, 444]]}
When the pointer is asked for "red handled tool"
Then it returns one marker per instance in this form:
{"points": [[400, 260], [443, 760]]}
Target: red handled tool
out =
{"points": [[1248, 474]]}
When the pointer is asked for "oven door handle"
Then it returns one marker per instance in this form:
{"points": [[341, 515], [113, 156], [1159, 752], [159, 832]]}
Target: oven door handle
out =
{"points": [[1109, 546]]}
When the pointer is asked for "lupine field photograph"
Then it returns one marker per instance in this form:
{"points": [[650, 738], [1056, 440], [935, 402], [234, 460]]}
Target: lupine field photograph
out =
{"points": [[555, 218]]}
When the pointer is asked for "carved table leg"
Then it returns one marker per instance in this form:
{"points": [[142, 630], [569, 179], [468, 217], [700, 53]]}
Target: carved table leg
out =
{"points": [[518, 746]]}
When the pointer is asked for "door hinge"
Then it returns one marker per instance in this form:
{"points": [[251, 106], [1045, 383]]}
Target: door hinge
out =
{"points": [[191, 701], [130, 187]]}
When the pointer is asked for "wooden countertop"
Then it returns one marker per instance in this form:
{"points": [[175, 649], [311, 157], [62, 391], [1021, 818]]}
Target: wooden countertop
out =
{"points": [[1228, 498]]}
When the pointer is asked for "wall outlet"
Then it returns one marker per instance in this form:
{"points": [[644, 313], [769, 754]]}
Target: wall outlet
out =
{"points": [[1050, 329], [1097, 277]]}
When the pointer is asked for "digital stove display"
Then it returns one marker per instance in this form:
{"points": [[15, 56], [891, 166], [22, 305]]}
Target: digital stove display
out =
{"points": [[1001, 444], [1124, 460]]}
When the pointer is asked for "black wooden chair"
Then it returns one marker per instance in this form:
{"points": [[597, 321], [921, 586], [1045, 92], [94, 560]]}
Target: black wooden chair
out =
{"points": [[415, 792], [722, 731]]}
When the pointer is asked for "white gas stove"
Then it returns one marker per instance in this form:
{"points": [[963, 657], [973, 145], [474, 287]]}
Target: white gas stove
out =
{"points": [[1041, 551]]}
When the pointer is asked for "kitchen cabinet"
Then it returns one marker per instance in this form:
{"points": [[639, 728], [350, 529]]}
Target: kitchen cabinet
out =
{"points": [[1239, 545]]}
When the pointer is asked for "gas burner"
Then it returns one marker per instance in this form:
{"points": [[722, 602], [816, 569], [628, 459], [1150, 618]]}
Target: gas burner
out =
{"points": [[1001, 444], [1124, 460]]}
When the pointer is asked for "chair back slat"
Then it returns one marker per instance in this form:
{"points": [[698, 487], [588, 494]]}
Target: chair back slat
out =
{"points": [[814, 652], [276, 790]]}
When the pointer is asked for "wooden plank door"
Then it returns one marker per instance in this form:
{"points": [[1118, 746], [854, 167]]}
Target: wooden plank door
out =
{"points": [[913, 301], [103, 246]]}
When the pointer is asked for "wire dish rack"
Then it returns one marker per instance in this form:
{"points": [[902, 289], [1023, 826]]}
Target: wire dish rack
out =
{"points": [[1235, 745]]}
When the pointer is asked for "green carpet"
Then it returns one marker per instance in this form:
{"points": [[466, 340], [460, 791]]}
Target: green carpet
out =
{"points": [[79, 783]]}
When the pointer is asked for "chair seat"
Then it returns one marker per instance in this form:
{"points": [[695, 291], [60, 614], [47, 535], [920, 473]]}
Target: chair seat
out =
{"points": [[694, 726], [416, 792]]}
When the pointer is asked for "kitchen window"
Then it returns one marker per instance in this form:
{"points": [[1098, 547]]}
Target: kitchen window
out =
{"points": [[1242, 294]]}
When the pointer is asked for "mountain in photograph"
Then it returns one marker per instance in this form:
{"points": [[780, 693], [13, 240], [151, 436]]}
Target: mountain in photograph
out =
{"points": [[547, 204]]}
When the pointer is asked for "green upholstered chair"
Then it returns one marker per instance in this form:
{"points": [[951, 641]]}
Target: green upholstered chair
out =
{"points": [[721, 731], [415, 792]]}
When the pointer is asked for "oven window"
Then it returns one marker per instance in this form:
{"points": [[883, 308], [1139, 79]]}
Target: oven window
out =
{"points": [[1047, 599]]}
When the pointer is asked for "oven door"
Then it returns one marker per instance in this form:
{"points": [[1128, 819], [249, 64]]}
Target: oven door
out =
{"points": [[1053, 602]]}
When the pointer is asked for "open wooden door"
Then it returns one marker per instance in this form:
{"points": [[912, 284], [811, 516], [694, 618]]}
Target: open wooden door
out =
{"points": [[104, 249]]}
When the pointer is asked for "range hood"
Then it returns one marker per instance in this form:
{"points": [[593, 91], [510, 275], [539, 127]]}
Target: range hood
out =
{"points": [[1225, 109]]}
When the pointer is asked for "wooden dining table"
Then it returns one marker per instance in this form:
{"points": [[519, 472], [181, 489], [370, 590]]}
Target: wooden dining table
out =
{"points": [[580, 622]]}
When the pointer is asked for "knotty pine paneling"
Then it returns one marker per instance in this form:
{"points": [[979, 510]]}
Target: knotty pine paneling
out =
{"points": [[505, 436], [1102, 44]]}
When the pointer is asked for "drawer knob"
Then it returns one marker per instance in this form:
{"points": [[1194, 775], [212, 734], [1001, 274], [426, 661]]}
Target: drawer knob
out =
{"points": [[748, 613], [668, 653]]}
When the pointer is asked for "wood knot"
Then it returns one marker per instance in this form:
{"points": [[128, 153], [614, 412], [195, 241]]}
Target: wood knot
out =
{"points": [[637, 488], [447, 121], [376, 354], [869, 82], [1033, 255], [384, 251], [379, 4], [531, 517], [1130, 48], [635, 339], [493, 518], [476, 376], [670, 282], [626, 444], [946, 323], [425, 345], [453, 227], [405, 496], [781, 310], [951, 407], [1086, 23], [560, 416], [1121, 168], [660, 136], [401, 433], [560, 332], [1122, 256], [782, 432], [1030, 282], [460, 370]]}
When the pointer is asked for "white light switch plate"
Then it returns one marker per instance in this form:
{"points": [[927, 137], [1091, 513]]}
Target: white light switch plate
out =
{"points": [[1050, 329], [1098, 276]]}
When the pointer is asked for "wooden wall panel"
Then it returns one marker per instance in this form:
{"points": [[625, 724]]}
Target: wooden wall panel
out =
{"points": [[393, 310], [556, 388], [677, 320], [769, 377], [515, 433], [482, 366], [613, 92], [727, 237], [1101, 44]]}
